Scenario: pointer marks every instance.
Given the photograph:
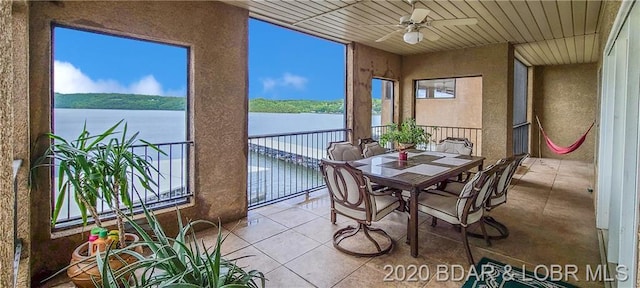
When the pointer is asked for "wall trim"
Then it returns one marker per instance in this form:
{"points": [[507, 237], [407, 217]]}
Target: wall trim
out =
{"points": [[621, 17]]}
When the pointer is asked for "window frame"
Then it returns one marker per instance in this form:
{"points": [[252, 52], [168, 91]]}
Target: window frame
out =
{"points": [[417, 89], [189, 196]]}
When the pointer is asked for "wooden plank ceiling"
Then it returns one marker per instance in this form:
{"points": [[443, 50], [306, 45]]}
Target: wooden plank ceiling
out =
{"points": [[544, 32]]}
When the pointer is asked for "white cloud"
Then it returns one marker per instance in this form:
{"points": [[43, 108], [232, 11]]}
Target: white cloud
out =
{"points": [[296, 81], [148, 85], [70, 79], [269, 83], [287, 80]]}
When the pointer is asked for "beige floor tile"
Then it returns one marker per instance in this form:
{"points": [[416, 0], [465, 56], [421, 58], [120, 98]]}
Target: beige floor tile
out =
{"points": [[537, 180], [319, 229], [439, 248], [366, 276], [293, 217], [400, 258], [273, 208], [283, 277], [320, 205], [286, 246], [395, 224], [254, 229], [230, 242], [250, 258], [325, 267]]}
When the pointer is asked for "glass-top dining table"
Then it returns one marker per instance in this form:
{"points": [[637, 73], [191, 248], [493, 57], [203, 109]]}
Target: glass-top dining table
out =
{"points": [[421, 170]]}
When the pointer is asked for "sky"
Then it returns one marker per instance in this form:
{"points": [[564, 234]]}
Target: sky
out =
{"points": [[86, 62], [283, 64]]}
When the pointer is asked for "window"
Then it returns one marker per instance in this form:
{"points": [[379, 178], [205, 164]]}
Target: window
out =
{"points": [[436, 88], [100, 79], [381, 102]]}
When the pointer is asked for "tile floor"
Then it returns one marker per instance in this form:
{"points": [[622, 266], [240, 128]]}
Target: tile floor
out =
{"points": [[549, 213]]}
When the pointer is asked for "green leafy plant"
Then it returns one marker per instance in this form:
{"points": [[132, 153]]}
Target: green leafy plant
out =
{"points": [[98, 167], [175, 262], [408, 133]]}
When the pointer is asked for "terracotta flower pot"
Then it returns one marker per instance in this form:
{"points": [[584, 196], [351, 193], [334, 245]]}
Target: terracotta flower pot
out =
{"points": [[86, 268]]}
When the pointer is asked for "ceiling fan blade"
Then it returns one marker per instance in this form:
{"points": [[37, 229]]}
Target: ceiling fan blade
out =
{"points": [[419, 14], [381, 25], [385, 37], [451, 22], [430, 35]]}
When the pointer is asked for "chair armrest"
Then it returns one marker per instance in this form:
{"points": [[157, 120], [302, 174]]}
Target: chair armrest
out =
{"points": [[384, 192]]}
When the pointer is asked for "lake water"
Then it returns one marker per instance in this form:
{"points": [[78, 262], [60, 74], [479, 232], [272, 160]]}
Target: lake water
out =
{"points": [[169, 126], [268, 177]]}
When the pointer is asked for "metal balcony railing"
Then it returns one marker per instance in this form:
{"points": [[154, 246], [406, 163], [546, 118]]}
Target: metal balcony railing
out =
{"points": [[439, 133], [172, 179], [282, 166], [521, 138]]}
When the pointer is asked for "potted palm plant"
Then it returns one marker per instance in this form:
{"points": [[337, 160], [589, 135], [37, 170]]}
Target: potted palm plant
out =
{"points": [[178, 261], [408, 135], [97, 168]]}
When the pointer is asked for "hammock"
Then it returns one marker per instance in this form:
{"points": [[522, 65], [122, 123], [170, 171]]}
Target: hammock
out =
{"points": [[564, 150]]}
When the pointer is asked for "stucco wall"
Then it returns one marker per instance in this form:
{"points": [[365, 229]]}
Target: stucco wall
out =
{"points": [[217, 36], [495, 64], [565, 100], [21, 147], [364, 63], [388, 102], [465, 110], [6, 145]]}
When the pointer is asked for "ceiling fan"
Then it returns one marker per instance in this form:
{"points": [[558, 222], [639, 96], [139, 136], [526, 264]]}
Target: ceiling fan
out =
{"points": [[417, 26]]}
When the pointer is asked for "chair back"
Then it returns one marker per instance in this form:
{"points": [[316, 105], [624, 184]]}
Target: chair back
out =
{"points": [[455, 145], [343, 151], [474, 194], [364, 141], [349, 190], [499, 195], [372, 149]]}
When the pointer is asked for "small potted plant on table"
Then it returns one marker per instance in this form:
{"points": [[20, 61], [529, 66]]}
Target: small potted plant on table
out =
{"points": [[408, 135], [97, 167]]}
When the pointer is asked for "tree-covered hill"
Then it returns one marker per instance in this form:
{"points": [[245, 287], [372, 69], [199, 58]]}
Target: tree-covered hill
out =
{"points": [[118, 101], [303, 106], [151, 102]]}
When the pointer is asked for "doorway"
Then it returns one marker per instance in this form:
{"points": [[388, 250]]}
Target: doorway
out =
{"points": [[520, 121], [618, 157]]}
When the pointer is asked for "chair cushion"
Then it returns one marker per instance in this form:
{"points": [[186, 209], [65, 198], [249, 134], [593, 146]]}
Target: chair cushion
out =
{"points": [[454, 146], [373, 149], [454, 187], [439, 204], [343, 151], [384, 205]]}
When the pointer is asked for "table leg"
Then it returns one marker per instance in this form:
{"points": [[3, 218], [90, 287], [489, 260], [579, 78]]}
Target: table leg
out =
{"points": [[413, 222]]}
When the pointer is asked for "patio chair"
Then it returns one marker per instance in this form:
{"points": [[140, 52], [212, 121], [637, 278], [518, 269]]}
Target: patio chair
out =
{"points": [[352, 197], [371, 147], [363, 141], [498, 195], [343, 151], [465, 209], [460, 146]]}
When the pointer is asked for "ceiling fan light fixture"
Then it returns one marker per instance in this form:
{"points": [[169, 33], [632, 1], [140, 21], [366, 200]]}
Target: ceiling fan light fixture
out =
{"points": [[413, 37]]}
